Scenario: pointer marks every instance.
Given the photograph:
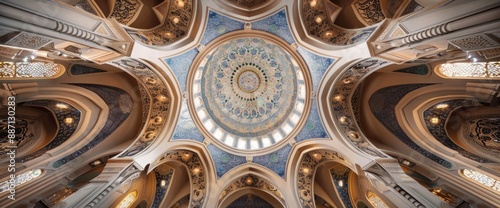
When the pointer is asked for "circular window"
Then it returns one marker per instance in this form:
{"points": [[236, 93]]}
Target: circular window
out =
{"points": [[249, 92]]}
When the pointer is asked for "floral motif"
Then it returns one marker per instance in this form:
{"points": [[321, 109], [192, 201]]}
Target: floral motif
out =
{"points": [[224, 161], [218, 25], [125, 11], [248, 103], [368, 11], [276, 24], [28, 131], [275, 161], [482, 133], [248, 89]]}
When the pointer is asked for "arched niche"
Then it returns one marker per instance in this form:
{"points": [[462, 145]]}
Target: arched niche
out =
{"points": [[34, 128], [316, 25], [178, 23], [332, 185], [172, 184], [134, 192], [185, 175], [251, 184], [476, 129], [310, 165], [245, 195]]}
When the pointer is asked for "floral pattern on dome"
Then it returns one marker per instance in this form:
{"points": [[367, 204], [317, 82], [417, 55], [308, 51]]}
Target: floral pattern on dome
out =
{"points": [[249, 89], [229, 89]]}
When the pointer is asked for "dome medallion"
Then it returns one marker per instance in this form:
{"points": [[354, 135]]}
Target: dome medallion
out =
{"points": [[249, 93]]}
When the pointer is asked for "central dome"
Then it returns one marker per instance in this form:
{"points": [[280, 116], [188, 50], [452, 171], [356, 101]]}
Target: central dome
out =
{"points": [[248, 92]]}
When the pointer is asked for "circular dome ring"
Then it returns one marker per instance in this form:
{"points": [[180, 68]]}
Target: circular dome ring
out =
{"points": [[249, 93]]}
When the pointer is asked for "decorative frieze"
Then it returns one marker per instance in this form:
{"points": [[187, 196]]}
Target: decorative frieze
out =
{"points": [[158, 109], [343, 116]]}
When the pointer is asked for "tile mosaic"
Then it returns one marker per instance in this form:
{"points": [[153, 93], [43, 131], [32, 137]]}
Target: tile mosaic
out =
{"points": [[275, 161], [276, 24], [224, 161]]}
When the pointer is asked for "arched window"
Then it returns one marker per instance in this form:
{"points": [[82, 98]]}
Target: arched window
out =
{"points": [[481, 178], [469, 70], [23, 70], [20, 179], [128, 200], [375, 200]]}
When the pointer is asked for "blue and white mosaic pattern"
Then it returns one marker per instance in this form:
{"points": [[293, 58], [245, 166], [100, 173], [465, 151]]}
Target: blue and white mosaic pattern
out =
{"points": [[317, 65], [276, 24], [218, 25], [313, 129], [186, 129], [224, 161], [237, 111], [383, 104], [180, 65], [275, 161]]}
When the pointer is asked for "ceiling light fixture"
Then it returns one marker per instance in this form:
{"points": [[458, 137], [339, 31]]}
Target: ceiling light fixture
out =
{"points": [[434, 120], [69, 120]]}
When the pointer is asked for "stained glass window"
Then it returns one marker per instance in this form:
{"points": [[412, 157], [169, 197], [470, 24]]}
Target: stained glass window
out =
{"points": [[375, 200], [20, 179], [482, 179], [128, 200], [30, 70], [470, 70]]}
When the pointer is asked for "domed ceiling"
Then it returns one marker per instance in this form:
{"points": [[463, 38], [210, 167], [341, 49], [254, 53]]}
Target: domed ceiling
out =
{"points": [[248, 92]]}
